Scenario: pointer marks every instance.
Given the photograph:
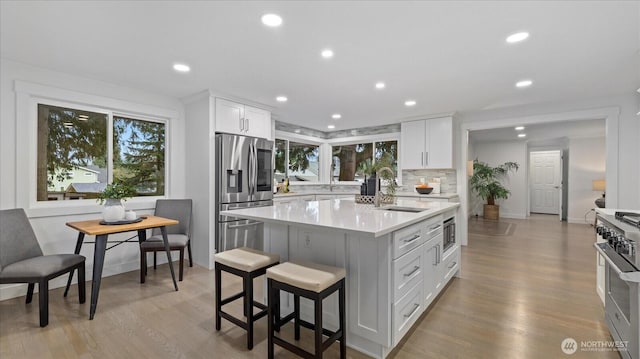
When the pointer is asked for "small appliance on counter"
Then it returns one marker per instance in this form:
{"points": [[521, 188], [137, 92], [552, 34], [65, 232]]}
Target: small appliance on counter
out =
{"points": [[436, 185]]}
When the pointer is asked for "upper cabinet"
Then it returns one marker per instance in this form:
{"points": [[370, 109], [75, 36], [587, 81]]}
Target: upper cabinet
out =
{"points": [[427, 143], [236, 118]]}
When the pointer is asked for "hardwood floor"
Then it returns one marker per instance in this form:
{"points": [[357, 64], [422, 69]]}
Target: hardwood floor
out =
{"points": [[520, 293]]}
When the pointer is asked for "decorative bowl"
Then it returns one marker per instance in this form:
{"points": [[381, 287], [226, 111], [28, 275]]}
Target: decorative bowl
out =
{"points": [[424, 190]]}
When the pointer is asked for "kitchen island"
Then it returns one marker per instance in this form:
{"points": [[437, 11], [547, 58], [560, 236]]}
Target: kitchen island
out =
{"points": [[395, 257]]}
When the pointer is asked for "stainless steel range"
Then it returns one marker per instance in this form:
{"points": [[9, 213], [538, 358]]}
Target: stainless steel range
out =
{"points": [[620, 233]]}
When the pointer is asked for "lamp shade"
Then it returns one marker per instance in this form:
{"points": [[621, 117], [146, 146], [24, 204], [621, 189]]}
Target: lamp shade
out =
{"points": [[598, 185], [469, 168]]}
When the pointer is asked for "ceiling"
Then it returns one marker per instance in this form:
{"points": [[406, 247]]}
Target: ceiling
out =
{"points": [[448, 56], [537, 133]]}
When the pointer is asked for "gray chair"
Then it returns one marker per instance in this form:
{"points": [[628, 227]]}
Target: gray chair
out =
{"points": [[179, 235], [22, 261]]}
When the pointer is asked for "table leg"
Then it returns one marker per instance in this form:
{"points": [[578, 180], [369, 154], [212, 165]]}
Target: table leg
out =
{"points": [[142, 236], [98, 262], [77, 251], [166, 247]]}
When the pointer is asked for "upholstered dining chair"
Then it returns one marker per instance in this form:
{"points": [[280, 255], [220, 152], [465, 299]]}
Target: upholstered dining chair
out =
{"points": [[179, 235], [22, 260]]}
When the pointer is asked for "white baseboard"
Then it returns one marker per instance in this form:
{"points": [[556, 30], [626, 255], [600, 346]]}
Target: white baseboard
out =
{"points": [[8, 291], [578, 220], [512, 215]]}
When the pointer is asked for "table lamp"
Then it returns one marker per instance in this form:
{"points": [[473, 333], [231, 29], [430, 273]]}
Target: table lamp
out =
{"points": [[599, 186]]}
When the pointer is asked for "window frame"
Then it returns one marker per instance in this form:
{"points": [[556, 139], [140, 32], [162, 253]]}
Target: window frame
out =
{"points": [[355, 140], [28, 96], [286, 136]]}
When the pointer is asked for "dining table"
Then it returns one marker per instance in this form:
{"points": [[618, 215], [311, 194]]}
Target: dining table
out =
{"points": [[101, 230]]}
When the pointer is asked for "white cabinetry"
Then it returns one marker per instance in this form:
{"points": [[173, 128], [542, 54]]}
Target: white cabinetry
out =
{"points": [[236, 118], [427, 143], [600, 270]]}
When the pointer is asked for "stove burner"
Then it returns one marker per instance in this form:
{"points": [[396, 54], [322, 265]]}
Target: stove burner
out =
{"points": [[629, 217]]}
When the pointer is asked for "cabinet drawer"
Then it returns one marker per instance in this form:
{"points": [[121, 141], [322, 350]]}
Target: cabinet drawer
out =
{"points": [[407, 239], [450, 264], [408, 270], [407, 311]]}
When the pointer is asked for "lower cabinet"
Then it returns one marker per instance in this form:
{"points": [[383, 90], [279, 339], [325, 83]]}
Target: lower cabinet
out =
{"points": [[406, 312]]}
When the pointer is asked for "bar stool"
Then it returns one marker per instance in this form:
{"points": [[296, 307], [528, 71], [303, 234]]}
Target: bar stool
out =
{"points": [[247, 263], [309, 280]]}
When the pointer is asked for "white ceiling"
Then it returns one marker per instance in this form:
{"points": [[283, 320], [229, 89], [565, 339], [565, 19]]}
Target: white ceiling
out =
{"points": [[448, 56], [537, 133]]}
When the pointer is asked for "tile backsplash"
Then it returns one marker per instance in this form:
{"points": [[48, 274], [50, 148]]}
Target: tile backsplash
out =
{"points": [[448, 181]]}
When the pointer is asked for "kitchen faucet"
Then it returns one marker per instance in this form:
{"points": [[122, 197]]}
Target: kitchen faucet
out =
{"points": [[377, 199]]}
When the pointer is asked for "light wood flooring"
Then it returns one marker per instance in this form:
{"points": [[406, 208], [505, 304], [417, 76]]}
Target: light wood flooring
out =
{"points": [[518, 296]]}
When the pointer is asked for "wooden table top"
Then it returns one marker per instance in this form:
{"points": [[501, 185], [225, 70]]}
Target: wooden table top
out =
{"points": [[94, 228]]}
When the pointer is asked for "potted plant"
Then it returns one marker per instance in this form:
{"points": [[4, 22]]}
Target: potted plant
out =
{"points": [[485, 181], [370, 169], [112, 197]]}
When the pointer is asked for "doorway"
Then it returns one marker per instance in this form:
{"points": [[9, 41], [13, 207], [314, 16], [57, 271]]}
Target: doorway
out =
{"points": [[546, 185]]}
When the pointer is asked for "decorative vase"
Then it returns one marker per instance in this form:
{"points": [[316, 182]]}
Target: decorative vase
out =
{"points": [[113, 210], [491, 212]]}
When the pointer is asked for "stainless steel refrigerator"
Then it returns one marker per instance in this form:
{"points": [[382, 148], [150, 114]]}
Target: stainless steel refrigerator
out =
{"points": [[244, 178]]}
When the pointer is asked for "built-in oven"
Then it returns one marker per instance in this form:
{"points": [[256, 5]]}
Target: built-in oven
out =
{"points": [[449, 234], [621, 287]]}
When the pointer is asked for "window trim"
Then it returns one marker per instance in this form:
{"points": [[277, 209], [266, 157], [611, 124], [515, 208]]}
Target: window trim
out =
{"points": [[355, 140], [287, 136], [28, 95]]}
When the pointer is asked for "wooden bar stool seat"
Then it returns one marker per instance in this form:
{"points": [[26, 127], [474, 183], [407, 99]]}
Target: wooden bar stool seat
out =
{"points": [[312, 281], [248, 264]]}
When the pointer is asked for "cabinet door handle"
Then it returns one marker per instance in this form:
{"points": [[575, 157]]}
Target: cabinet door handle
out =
{"points": [[422, 159], [434, 228], [452, 265], [415, 307], [412, 239], [427, 158], [415, 269], [246, 125], [242, 124]]}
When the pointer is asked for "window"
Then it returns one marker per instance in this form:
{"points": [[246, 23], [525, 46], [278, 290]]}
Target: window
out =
{"points": [[73, 153], [302, 161], [352, 162]]}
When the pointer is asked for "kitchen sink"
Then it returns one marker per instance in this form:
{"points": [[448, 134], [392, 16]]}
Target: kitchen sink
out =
{"points": [[405, 209]]}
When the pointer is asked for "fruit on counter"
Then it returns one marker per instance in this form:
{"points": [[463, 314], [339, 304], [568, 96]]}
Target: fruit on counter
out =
{"points": [[423, 185]]}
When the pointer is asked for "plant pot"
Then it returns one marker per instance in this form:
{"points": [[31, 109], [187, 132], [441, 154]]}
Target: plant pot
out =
{"points": [[113, 210], [491, 211]]}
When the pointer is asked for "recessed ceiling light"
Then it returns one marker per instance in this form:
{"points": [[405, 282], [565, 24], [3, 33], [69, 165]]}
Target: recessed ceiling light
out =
{"points": [[522, 135], [297, 130], [327, 53], [380, 85], [336, 116], [281, 98], [517, 37], [181, 67], [524, 83], [331, 127], [271, 20], [519, 128], [410, 103]]}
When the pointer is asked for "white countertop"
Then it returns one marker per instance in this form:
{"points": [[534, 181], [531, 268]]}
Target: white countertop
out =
{"points": [[430, 195], [398, 194], [344, 215]]}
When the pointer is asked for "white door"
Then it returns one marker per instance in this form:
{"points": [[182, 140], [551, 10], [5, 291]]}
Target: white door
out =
{"points": [[545, 181]]}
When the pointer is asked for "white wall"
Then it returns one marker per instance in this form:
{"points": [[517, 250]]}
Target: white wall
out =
{"points": [[53, 235], [586, 163], [495, 154]]}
